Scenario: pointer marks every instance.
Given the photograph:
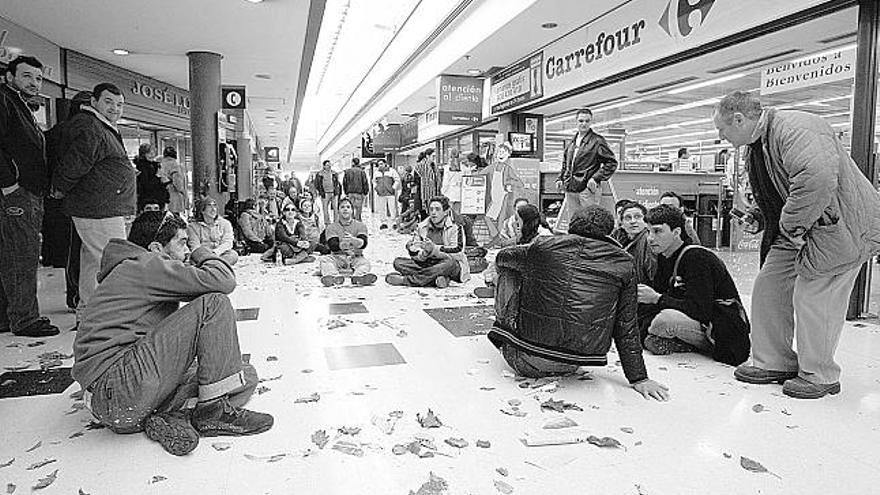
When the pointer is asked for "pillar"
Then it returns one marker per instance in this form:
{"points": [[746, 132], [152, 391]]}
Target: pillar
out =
{"points": [[205, 100], [864, 110]]}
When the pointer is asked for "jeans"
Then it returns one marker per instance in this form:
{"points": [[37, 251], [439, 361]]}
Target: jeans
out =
{"points": [[21, 218], [291, 251], [387, 206], [331, 264], [820, 305], [529, 366], [357, 204], [192, 354], [673, 324], [329, 201], [95, 234], [572, 203], [425, 273]]}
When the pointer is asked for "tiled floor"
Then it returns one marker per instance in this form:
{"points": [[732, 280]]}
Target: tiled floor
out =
{"points": [[691, 445]]}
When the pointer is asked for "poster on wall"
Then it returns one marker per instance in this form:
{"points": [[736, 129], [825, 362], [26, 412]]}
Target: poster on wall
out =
{"points": [[520, 83], [529, 172], [459, 100], [473, 194]]}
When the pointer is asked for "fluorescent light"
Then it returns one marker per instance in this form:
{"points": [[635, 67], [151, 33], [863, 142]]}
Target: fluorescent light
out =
{"points": [[704, 84], [662, 111], [673, 137], [474, 72], [670, 126], [120, 51], [618, 105], [254, 1]]}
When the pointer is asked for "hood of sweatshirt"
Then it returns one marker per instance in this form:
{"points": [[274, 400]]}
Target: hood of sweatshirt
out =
{"points": [[117, 251]]}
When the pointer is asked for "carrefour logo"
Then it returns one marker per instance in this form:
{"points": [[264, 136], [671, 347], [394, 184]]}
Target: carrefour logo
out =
{"points": [[681, 17]]}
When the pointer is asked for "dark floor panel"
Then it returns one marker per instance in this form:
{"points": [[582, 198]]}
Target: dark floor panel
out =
{"points": [[362, 356], [347, 308], [34, 382], [247, 314], [464, 321]]}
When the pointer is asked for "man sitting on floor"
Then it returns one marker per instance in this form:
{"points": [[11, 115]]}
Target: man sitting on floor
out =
{"points": [[436, 251], [562, 299], [144, 362], [682, 313], [347, 239]]}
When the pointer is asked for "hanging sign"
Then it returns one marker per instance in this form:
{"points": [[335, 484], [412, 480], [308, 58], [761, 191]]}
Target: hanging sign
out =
{"points": [[459, 100], [813, 70]]}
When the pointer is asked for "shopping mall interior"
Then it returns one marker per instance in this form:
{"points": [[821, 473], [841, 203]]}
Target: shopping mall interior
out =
{"points": [[382, 385]]}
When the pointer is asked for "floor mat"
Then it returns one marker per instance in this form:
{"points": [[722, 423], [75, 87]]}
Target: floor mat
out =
{"points": [[464, 321], [34, 382], [247, 314], [347, 308], [362, 356]]}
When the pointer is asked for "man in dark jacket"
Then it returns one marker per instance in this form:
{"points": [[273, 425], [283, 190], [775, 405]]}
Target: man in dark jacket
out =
{"points": [[356, 186], [680, 303], [24, 180], [96, 181], [562, 299], [328, 189], [144, 362], [586, 161]]}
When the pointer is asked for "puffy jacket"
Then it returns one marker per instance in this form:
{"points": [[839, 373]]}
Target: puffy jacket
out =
{"points": [[22, 145], [827, 199], [577, 295], [355, 181], [594, 160], [94, 173]]}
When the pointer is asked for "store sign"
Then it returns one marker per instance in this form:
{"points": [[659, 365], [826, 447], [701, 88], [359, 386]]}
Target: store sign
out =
{"points": [[820, 68], [273, 154], [409, 132], [388, 139], [520, 83], [368, 150], [636, 33], [16, 40], [459, 100], [473, 194], [234, 97], [165, 94]]}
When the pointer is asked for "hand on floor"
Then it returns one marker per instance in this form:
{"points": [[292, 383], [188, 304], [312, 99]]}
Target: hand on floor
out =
{"points": [[652, 390]]}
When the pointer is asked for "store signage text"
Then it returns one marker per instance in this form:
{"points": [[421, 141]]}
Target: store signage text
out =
{"points": [[810, 71], [604, 46], [520, 83], [459, 100], [164, 95]]}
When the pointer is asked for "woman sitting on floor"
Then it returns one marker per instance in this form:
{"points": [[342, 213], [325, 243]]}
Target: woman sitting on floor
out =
{"points": [[291, 238], [312, 223], [208, 229]]}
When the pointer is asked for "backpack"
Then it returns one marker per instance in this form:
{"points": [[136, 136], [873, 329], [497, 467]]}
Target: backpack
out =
{"points": [[729, 323]]}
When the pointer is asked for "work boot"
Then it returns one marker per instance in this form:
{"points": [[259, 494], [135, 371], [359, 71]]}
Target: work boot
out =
{"points": [[441, 282], [174, 432], [395, 278], [220, 418], [40, 328], [331, 280], [760, 376], [662, 346], [803, 389], [366, 279]]}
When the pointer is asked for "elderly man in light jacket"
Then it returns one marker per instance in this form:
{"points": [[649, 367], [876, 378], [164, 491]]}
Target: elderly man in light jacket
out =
{"points": [[822, 223]]}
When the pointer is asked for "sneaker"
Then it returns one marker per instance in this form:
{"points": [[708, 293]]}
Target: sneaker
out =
{"points": [[220, 418], [662, 346], [173, 431], [485, 292], [39, 328], [368, 279], [441, 282], [288, 261], [759, 376], [331, 280], [383, 227], [803, 389], [395, 278]]}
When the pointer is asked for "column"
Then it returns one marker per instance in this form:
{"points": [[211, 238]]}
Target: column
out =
{"points": [[205, 100]]}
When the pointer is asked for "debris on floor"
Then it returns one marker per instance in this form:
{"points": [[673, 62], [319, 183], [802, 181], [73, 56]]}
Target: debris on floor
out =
{"points": [[221, 446], [434, 486], [158, 478], [320, 438], [265, 458], [39, 464], [429, 420], [44, 482], [315, 397], [755, 466], [503, 487]]}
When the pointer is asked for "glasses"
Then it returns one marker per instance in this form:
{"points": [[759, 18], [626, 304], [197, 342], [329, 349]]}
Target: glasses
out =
{"points": [[288, 209]]}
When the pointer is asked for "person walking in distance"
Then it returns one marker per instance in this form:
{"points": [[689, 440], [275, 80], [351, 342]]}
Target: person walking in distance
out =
{"points": [[586, 161], [24, 179], [822, 222], [356, 186], [328, 189]]}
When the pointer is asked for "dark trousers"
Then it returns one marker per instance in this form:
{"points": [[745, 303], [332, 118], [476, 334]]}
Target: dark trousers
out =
{"points": [[21, 218], [71, 269], [290, 251], [192, 354], [425, 273], [357, 204]]}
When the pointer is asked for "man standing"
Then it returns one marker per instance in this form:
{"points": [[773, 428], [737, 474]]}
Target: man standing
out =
{"points": [[387, 184], [145, 362], [586, 161], [822, 224], [436, 251], [24, 179], [97, 182], [347, 239], [327, 186], [356, 186], [562, 300]]}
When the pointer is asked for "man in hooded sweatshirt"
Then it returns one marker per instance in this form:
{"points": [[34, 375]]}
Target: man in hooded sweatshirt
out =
{"points": [[145, 363]]}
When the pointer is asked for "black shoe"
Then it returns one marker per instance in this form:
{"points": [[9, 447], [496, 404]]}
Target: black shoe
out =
{"points": [[173, 431], [39, 328], [662, 346], [220, 418], [367, 279]]}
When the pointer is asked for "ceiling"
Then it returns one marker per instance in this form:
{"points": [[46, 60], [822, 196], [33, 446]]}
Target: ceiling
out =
{"points": [[267, 38]]}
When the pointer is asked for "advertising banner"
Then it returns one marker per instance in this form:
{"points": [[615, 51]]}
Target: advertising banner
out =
{"points": [[529, 172], [387, 140], [273, 155], [459, 100], [409, 132], [473, 194], [634, 34], [16, 40], [520, 83], [813, 70]]}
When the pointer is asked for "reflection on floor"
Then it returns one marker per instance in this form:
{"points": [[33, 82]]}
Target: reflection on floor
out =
{"points": [[360, 383]]}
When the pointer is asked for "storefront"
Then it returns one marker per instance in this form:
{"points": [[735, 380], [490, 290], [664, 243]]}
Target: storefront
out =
{"points": [[155, 112]]}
